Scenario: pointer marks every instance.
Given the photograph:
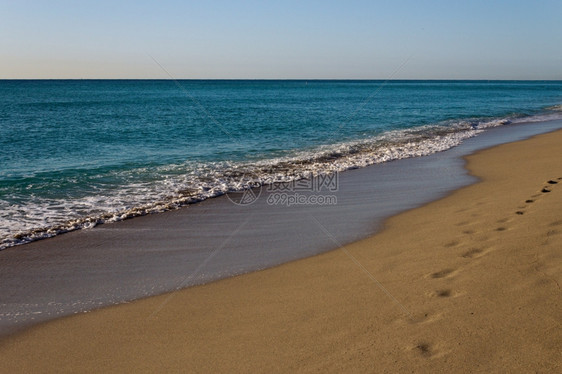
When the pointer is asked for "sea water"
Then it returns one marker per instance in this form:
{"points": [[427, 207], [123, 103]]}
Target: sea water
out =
{"points": [[78, 153]]}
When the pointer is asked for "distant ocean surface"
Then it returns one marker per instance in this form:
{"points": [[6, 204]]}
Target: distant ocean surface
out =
{"points": [[78, 153]]}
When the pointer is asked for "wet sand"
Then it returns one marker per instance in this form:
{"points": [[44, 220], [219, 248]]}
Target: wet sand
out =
{"points": [[469, 283]]}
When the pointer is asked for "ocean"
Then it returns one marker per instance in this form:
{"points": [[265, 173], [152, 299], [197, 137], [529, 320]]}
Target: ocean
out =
{"points": [[77, 153]]}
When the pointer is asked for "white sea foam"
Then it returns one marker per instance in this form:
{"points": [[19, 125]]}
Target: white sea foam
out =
{"points": [[555, 107], [187, 183]]}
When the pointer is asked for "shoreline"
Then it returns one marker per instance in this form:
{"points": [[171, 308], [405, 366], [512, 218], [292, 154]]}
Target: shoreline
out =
{"points": [[469, 282], [359, 155], [151, 255]]}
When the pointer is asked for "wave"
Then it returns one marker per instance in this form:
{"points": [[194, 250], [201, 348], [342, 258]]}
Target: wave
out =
{"points": [[554, 107], [188, 183]]}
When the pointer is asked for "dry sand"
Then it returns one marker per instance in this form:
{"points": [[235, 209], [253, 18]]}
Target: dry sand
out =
{"points": [[469, 283]]}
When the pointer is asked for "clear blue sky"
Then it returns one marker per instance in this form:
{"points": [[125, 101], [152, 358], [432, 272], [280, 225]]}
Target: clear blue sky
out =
{"points": [[282, 39]]}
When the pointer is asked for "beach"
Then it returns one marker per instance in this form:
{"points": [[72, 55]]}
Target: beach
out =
{"points": [[467, 283], [281, 188]]}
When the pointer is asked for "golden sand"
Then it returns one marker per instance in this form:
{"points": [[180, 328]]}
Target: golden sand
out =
{"points": [[469, 283]]}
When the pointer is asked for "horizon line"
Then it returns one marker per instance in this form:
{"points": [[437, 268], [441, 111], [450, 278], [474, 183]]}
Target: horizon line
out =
{"points": [[283, 79]]}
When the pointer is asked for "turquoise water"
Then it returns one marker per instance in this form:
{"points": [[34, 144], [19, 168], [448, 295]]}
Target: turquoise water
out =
{"points": [[77, 153]]}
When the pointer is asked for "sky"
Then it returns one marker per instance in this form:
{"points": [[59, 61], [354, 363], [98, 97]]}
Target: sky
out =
{"points": [[400, 39]]}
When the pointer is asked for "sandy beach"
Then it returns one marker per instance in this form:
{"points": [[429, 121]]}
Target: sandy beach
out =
{"points": [[468, 283]]}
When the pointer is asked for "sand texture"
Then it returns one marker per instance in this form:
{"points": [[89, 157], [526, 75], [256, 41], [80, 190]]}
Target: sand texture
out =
{"points": [[469, 283]]}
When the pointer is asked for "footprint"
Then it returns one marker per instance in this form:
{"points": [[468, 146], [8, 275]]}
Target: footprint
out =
{"points": [[529, 201], [552, 232], [443, 293], [423, 348], [442, 273], [471, 253], [556, 223], [520, 212], [545, 190], [501, 229], [552, 182], [451, 244]]}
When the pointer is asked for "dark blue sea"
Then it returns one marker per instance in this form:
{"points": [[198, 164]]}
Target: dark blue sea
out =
{"points": [[78, 153]]}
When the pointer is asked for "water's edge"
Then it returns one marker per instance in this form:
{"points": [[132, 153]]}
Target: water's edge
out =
{"points": [[115, 263]]}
